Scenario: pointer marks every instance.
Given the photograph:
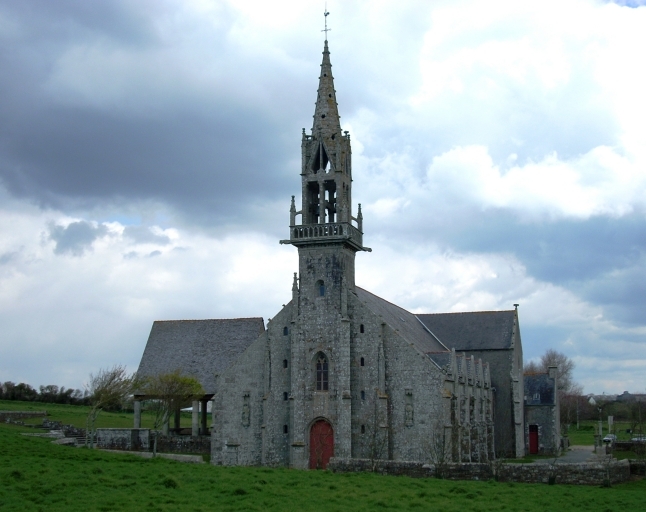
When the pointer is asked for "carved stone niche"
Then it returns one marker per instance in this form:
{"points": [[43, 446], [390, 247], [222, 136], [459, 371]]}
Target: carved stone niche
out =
{"points": [[409, 419], [246, 410]]}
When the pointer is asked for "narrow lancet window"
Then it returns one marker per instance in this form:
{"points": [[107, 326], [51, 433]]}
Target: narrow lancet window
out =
{"points": [[321, 373]]}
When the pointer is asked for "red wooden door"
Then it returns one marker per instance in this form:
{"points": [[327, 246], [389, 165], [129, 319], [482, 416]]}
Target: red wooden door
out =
{"points": [[533, 439], [321, 444]]}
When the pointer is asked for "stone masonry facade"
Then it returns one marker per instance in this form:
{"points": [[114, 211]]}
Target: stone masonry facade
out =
{"points": [[380, 383]]}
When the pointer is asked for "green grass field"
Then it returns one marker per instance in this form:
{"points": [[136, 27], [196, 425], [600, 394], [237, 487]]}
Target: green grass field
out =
{"points": [[77, 414], [587, 429], [38, 475]]}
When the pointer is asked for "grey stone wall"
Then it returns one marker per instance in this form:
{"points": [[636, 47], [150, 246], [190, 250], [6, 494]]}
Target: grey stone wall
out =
{"points": [[548, 438], [136, 439], [574, 474], [390, 406], [237, 409], [183, 444], [11, 416]]}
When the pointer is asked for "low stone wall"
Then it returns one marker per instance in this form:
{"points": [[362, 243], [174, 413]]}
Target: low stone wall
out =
{"points": [[142, 439], [68, 430], [136, 439], [184, 444], [630, 446], [12, 416], [562, 473], [638, 467]]}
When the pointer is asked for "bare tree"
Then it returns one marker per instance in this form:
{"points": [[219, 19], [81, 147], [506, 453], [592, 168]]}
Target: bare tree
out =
{"points": [[108, 388], [169, 393], [568, 390], [565, 367], [531, 368], [438, 448], [374, 435]]}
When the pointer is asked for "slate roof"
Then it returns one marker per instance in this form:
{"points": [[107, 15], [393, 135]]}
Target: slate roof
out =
{"points": [[406, 323], [539, 389], [478, 330], [199, 348], [442, 359]]}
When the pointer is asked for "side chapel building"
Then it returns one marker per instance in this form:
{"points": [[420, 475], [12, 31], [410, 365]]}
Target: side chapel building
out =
{"points": [[340, 371]]}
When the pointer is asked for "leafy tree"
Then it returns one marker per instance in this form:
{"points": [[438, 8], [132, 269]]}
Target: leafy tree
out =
{"points": [[107, 389], [22, 391], [169, 393]]}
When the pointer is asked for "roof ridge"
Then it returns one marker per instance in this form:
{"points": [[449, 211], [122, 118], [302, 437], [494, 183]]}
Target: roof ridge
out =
{"points": [[468, 312], [212, 319]]}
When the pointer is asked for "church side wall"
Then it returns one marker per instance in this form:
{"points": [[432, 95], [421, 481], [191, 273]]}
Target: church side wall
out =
{"points": [[501, 366], [237, 409], [277, 402], [370, 413], [417, 404]]}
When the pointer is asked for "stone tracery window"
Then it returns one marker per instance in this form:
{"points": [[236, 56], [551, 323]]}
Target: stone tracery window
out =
{"points": [[322, 372]]}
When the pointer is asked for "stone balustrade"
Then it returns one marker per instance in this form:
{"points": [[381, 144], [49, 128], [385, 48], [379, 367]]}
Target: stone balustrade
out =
{"points": [[321, 232]]}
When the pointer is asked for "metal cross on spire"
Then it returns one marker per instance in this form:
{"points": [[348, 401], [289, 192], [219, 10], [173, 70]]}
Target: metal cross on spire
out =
{"points": [[326, 30]]}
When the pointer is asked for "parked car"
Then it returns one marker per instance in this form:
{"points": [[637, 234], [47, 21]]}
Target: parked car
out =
{"points": [[610, 438], [639, 438]]}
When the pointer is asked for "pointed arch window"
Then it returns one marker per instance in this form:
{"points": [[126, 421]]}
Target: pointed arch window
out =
{"points": [[322, 376]]}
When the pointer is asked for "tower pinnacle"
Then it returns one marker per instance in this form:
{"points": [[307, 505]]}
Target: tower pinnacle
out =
{"points": [[325, 216], [326, 114]]}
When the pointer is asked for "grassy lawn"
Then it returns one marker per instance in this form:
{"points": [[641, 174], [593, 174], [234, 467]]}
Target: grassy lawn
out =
{"points": [[77, 414], [37, 475], [587, 429]]}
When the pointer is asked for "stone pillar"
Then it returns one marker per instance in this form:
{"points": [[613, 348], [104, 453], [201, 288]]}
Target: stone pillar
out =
{"points": [[137, 406], [322, 202], [343, 434], [195, 428], [203, 417]]}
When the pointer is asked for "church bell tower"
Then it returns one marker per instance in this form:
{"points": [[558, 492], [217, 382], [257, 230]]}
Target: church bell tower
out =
{"points": [[328, 235]]}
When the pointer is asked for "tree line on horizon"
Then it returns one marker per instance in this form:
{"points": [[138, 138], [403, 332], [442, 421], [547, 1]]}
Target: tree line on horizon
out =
{"points": [[50, 394]]}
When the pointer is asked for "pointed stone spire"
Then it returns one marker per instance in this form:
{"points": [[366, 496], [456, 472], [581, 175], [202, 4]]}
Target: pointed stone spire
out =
{"points": [[326, 115]]}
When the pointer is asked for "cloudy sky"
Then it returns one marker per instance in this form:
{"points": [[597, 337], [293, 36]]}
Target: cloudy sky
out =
{"points": [[149, 149]]}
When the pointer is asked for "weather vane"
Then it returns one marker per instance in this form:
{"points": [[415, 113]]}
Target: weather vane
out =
{"points": [[325, 14]]}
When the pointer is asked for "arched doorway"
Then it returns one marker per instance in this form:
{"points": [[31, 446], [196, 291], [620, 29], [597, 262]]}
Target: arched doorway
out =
{"points": [[321, 444]]}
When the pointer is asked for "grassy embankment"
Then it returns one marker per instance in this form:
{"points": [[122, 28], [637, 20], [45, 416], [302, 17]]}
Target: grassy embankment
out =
{"points": [[38, 475]]}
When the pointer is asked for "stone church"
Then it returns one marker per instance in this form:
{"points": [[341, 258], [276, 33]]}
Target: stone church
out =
{"points": [[339, 371]]}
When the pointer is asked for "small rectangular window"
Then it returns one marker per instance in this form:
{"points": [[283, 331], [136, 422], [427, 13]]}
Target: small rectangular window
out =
{"points": [[363, 395], [285, 429]]}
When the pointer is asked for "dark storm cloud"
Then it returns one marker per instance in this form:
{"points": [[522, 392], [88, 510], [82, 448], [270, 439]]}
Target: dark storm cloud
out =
{"points": [[559, 252], [210, 159], [602, 259], [188, 161], [75, 238]]}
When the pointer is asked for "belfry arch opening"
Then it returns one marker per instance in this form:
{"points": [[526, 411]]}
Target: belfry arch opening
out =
{"points": [[320, 160]]}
